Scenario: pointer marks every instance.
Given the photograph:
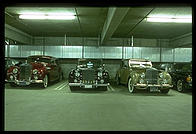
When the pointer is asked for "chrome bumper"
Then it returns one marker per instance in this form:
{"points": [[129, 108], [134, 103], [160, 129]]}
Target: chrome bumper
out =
{"points": [[20, 82], [144, 86], [93, 85]]}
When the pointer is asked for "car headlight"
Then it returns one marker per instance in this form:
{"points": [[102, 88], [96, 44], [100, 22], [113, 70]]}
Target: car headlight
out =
{"points": [[35, 71], [164, 81], [142, 75], [15, 70], [99, 74], [48, 68], [161, 75], [35, 77], [77, 74]]}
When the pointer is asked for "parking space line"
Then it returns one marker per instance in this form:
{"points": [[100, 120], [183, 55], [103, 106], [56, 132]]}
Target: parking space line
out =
{"points": [[111, 89], [60, 86]]}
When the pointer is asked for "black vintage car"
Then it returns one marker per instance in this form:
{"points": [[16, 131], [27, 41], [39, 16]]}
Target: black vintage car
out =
{"points": [[89, 73], [182, 76]]}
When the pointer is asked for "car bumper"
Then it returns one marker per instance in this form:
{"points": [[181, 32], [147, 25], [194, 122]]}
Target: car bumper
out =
{"points": [[88, 85], [188, 85], [144, 86], [24, 83]]}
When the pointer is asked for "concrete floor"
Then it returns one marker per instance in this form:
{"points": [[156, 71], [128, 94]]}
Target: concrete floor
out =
{"points": [[58, 109]]}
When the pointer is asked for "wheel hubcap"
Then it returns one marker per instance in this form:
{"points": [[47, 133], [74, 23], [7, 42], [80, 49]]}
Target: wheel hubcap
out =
{"points": [[46, 81], [130, 86], [179, 85]]}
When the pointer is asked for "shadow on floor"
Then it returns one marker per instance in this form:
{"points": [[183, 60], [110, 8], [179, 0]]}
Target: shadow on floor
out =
{"points": [[87, 90], [124, 90]]}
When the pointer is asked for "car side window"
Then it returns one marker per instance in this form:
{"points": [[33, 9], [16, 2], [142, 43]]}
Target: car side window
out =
{"points": [[53, 62], [125, 64]]}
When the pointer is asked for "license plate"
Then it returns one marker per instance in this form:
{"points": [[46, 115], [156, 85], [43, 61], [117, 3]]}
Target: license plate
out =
{"points": [[88, 86], [22, 83], [153, 89]]}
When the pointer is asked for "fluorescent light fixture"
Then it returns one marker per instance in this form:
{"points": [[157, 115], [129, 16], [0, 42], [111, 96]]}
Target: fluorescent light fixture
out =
{"points": [[47, 17], [172, 20]]}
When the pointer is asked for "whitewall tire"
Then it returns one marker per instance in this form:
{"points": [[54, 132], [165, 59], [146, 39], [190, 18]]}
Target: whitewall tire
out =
{"points": [[45, 81], [130, 86]]}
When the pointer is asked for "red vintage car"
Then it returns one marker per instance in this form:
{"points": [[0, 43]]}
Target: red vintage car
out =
{"points": [[37, 69]]}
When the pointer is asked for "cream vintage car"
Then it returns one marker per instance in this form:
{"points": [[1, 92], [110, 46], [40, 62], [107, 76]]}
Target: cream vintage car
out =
{"points": [[139, 74]]}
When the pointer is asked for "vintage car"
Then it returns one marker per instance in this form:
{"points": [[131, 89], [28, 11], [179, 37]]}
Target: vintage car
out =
{"points": [[139, 74], [37, 69], [89, 73], [181, 76]]}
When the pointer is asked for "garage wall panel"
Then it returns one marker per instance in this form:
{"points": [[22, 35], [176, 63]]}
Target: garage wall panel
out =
{"points": [[127, 52], [167, 54], [14, 51], [71, 51], [55, 51], [30, 50], [93, 52], [6, 50], [112, 52], [183, 54], [152, 54]]}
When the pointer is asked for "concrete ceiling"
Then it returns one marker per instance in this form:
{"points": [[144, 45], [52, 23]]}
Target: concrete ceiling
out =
{"points": [[120, 22]]}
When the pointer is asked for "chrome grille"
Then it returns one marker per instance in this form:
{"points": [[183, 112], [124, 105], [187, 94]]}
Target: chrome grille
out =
{"points": [[88, 74], [25, 71], [151, 76]]}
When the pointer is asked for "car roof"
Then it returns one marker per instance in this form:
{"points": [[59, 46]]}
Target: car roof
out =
{"points": [[88, 59], [41, 56], [138, 59]]}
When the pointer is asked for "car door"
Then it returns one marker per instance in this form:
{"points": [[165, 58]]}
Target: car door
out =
{"points": [[124, 72], [54, 70]]}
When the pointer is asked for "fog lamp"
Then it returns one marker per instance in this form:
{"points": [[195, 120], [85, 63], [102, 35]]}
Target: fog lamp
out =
{"points": [[142, 75], [77, 74], [141, 81], [189, 79], [11, 77], [102, 81], [75, 80], [99, 74], [164, 81]]}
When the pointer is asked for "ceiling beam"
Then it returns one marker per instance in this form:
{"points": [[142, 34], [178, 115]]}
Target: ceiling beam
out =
{"points": [[114, 18]]}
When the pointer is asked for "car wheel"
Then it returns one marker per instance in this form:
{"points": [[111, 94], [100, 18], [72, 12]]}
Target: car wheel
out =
{"points": [[179, 86], [45, 84], [165, 91], [130, 86], [117, 80]]}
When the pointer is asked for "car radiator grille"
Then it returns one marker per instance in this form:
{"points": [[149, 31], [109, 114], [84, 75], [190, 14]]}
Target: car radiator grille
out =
{"points": [[25, 71], [89, 74], [151, 76]]}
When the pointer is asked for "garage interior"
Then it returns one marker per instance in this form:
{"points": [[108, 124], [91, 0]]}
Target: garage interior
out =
{"points": [[108, 33]]}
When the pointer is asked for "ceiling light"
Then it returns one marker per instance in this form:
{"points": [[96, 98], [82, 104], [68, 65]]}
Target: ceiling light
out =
{"points": [[47, 17], [172, 20]]}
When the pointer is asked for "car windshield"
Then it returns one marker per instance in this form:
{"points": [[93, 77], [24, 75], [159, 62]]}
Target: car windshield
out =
{"points": [[140, 64], [183, 67], [37, 59], [89, 63], [187, 68]]}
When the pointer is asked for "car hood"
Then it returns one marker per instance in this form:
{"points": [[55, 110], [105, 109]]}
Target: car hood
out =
{"points": [[38, 64]]}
